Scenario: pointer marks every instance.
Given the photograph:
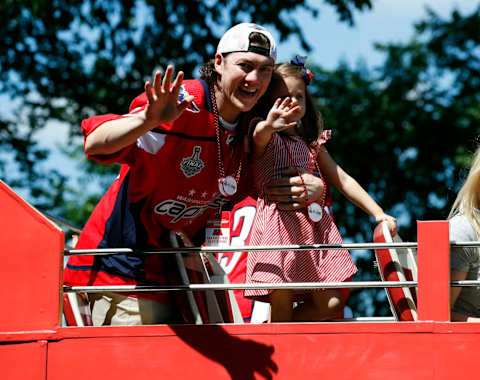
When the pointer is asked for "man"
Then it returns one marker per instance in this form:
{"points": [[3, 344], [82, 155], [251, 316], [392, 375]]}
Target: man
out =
{"points": [[181, 161]]}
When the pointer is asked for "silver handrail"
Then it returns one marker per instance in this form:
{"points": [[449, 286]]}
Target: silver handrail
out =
{"points": [[266, 285], [61, 222], [298, 285], [243, 248]]}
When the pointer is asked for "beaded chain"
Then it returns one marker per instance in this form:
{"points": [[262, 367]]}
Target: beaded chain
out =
{"points": [[221, 167]]}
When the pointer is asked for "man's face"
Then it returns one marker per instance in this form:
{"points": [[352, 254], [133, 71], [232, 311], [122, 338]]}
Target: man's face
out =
{"points": [[243, 79]]}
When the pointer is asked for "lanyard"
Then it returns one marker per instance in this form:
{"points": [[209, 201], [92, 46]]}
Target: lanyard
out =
{"points": [[314, 209], [227, 185]]}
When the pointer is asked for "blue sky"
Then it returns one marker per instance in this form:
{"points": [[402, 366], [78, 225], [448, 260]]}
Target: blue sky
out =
{"points": [[388, 21], [331, 41]]}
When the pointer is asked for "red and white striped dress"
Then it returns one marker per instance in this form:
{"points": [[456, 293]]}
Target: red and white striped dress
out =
{"points": [[276, 227]]}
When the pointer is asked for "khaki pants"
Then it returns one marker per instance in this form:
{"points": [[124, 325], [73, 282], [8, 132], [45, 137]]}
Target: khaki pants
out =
{"points": [[117, 310]]}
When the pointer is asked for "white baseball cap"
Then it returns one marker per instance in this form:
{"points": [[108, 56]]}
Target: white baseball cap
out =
{"points": [[237, 39]]}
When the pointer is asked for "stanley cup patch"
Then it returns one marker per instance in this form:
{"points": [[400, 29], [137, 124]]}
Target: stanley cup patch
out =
{"points": [[192, 165]]}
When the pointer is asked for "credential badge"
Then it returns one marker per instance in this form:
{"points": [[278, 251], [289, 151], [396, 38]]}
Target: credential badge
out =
{"points": [[192, 165]]}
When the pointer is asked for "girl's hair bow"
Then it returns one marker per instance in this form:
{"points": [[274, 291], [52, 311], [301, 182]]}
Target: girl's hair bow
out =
{"points": [[299, 60]]}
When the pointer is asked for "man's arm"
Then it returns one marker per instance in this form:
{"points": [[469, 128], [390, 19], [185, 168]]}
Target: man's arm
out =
{"points": [[289, 191], [162, 107]]}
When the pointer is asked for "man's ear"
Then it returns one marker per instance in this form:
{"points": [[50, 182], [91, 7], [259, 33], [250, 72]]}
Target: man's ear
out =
{"points": [[218, 63]]}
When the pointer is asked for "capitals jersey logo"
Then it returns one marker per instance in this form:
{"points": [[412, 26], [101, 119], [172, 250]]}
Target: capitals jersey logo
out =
{"points": [[182, 95], [192, 165]]}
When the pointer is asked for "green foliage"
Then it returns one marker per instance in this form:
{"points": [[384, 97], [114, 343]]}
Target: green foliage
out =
{"points": [[407, 129], [66, 60]]}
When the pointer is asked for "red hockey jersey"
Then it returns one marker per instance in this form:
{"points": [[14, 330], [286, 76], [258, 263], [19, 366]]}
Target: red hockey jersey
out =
{"points": [[167, 181]]}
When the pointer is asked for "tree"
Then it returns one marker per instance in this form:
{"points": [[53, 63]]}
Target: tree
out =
{"points": [[406, 129], [67, 60]]}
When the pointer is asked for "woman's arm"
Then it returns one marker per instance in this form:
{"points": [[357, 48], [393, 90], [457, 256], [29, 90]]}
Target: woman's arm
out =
{"points": [[457, 317], [162, 107], [352, 190], [458, 275]]}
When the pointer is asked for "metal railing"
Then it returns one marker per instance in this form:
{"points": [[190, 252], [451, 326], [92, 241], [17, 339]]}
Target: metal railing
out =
{"points": [[400, 247], [62, 222], [245, 249]]}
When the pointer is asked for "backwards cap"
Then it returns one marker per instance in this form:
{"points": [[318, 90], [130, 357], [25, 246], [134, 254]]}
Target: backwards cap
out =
{"points": [[237, 38]]}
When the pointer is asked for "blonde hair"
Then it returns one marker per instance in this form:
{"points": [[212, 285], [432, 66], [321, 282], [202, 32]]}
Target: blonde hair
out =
{"points": [[467, 202]]}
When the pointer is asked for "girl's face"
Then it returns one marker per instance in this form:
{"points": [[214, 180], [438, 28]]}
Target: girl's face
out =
{"points": [[294, 88]]}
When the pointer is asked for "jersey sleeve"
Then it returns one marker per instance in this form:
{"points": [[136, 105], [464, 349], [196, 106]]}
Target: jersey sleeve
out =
{"points": [[124, 155], [127, 155], [91, 124]]}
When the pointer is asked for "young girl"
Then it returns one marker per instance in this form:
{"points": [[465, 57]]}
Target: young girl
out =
{"points": [[292, 135]]}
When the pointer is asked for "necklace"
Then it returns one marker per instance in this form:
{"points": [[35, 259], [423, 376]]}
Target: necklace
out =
{"points": [[227, 185], [314, 209]]}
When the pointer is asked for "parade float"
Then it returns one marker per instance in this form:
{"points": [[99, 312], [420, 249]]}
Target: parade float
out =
{"points": [[417, 342]]}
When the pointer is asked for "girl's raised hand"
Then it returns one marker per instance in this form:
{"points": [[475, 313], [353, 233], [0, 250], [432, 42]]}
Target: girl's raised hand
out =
{"points": [[163, 105], [282, 114]]}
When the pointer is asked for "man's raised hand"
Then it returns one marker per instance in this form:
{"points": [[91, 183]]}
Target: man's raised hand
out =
{"points": [[163, 105]]}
